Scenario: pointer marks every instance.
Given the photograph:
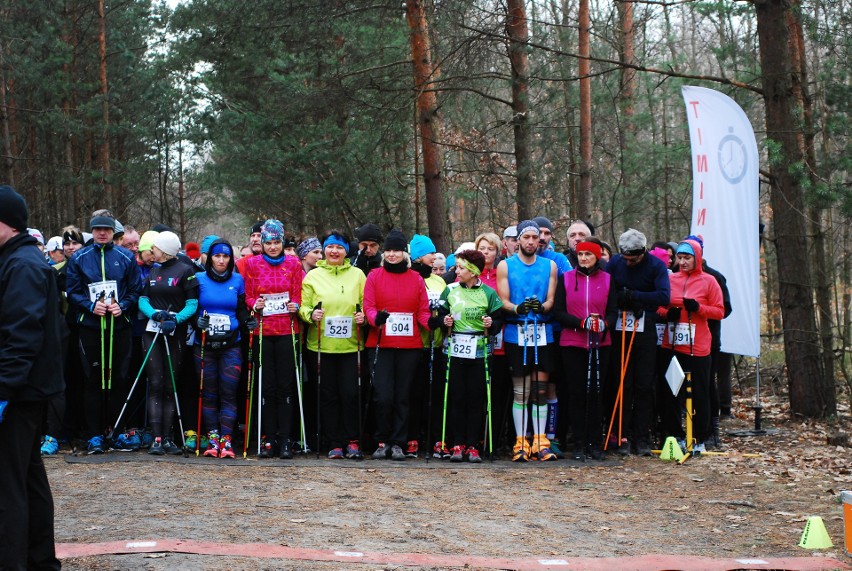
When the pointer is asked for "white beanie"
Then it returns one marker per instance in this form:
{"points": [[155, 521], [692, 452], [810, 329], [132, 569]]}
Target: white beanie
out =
{"points": [[168, 242]]}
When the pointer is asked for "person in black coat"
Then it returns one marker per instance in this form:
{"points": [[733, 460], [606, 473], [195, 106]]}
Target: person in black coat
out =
{"points": [[30, 375]]}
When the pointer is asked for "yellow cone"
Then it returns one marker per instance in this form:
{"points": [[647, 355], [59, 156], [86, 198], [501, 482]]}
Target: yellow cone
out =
{"points": [[815, 535], [671, 450]]}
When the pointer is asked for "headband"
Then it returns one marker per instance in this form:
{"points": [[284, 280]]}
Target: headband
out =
{"points": [[333, 239], [221, 249], [468, 266]]}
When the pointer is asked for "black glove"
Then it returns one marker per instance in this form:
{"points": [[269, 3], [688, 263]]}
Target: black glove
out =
{"points": [[251, 323], [673, 315], [625, 298], [435, 322], [161, 315], [690, 305], [534, 304], [522, 308], [203, 322], [381, 318], [168, 326]]}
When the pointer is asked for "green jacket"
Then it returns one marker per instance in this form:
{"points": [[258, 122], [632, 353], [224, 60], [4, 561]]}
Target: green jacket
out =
{"points": [[339, 288]]}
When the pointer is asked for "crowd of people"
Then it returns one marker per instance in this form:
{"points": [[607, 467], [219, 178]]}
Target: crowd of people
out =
{"points": [[325, 344]]}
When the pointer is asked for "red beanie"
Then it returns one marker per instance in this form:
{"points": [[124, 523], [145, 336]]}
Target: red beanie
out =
{"points": [[193, 250]]}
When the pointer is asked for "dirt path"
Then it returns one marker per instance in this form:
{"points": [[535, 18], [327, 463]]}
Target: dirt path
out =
{"points": [[718, 507]]}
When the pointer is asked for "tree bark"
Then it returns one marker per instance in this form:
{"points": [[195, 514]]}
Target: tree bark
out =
{"points": [[583, 208], [628, 89], [429, 123], [811, 394], [5, 119], [516, 30], [104, 149]]}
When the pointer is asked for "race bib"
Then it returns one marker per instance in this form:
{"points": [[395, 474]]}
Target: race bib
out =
{"points": [[463, 346], [108, 288], [434, 297], [631, 322], [681, 334], [661, 330], [498, 341], [400, 325], [532, 335], [219, 324], [154, 327], [275, 303], [338, 327]]}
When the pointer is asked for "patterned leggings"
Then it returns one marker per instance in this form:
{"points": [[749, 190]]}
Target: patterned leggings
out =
{"points": [[219, 395]]}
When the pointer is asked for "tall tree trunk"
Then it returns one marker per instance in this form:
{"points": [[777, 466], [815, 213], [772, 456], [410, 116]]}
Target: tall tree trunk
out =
{"points": [[823, 268], [5, 119], [628, 90], [583, 208], [516, 29], [104, 150], [811, 394], [430, 127]]}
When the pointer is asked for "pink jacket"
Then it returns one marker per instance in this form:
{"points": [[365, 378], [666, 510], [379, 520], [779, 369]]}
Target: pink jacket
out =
{"points": [[264, 278], [585, 295], [396, 293]]}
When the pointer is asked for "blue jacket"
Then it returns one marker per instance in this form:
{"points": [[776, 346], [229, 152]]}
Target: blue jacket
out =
{"points": [[96, 263], [648, 281]]}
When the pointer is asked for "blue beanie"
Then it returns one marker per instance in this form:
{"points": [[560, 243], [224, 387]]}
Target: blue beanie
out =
{"points": [[421, 246], [207, 242], [698, 239], [272, 230]]}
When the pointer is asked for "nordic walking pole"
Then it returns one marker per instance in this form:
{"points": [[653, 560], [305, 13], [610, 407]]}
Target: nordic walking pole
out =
{"points": [[488, 418], [358, 367], [298, 385], [259, 383], [133, 387], [101, 299], [446, 392], [319, 377], [524, 395], [109, 367], [200, 391], [174, 390], [535, 369], [429, 408], [370, 387], [619, 405], [249, 395]]}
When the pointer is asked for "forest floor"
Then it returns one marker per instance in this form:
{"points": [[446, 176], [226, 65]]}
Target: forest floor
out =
{"points": [[719, 506]]}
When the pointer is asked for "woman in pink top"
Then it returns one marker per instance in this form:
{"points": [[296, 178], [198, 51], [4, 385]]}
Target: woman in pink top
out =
{"points": [[274, 290]]}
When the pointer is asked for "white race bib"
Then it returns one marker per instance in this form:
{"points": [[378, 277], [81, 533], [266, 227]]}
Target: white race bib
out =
{"points": [[275, 303], [154, 327], [661, 330], [681, 334], [532, 335], [338, 327], [400, 325], [498, 340], [463, 346], [108, 288], [219, 324], [631, 321]]}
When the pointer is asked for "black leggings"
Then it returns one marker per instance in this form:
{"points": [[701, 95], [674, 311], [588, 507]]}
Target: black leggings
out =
{"points": [[585, 380], [338, 387], [395, 371], [277, 379], [466, 406], [161, 395]]}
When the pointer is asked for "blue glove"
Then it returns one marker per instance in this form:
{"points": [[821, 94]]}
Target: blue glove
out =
{"points": [[3, 404], [161, 315], [168, 326]]}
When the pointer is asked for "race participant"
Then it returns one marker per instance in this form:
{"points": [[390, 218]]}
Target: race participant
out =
{"points": [[310, 252], [395, 303], [642, 285], [30, 376], [274, 289], [510, 242], [254, 245], [367, 258], [205, 248], [469, 308], [221, 310], [586, 308], [55, 253], [578, 230], [340, 289], [103, 287], [290, 245], [131, 238], [696, 297], [169, 301], [545, 249], [439, 264], [422, 252], [526, 284]]}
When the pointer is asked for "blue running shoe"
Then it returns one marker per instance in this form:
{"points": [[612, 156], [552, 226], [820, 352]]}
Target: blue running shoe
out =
{"points": [[96, 445], [50, 446]]}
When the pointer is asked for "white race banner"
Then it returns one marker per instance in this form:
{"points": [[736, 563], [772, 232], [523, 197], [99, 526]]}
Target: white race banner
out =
{"points": [[725, 205]]}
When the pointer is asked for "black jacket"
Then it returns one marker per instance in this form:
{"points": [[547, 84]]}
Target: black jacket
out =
{"points": [[30, 324]]}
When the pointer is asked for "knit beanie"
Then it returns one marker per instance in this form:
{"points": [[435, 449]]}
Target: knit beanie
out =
{"points": [[147, 240], [168, 242], [256, 227], [632, 241], [421, 246], [102, 221], [206, 243], [528, 226], [396, 241], [13, 209], [369, 233], [544, 222], [661, 254], [307, 246], [272, 230], [193, 250]]}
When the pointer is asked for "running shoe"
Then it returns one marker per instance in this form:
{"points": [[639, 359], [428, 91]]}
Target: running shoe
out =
{"points": [[457, 455], [411, 449], [353, 451], [225, 448], [473, 455], [397, 453], [50, 446], [556, 448], [335, 454], [157, 447], [521, 450], [440, 451], [285, 451], [541, 448], [382, 452], [170, 447], [266, 449], [212, 445], [95, 445], [191, 439]]}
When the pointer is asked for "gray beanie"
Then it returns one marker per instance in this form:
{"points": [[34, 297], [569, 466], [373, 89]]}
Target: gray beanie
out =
{"points": [[632, 240]]}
